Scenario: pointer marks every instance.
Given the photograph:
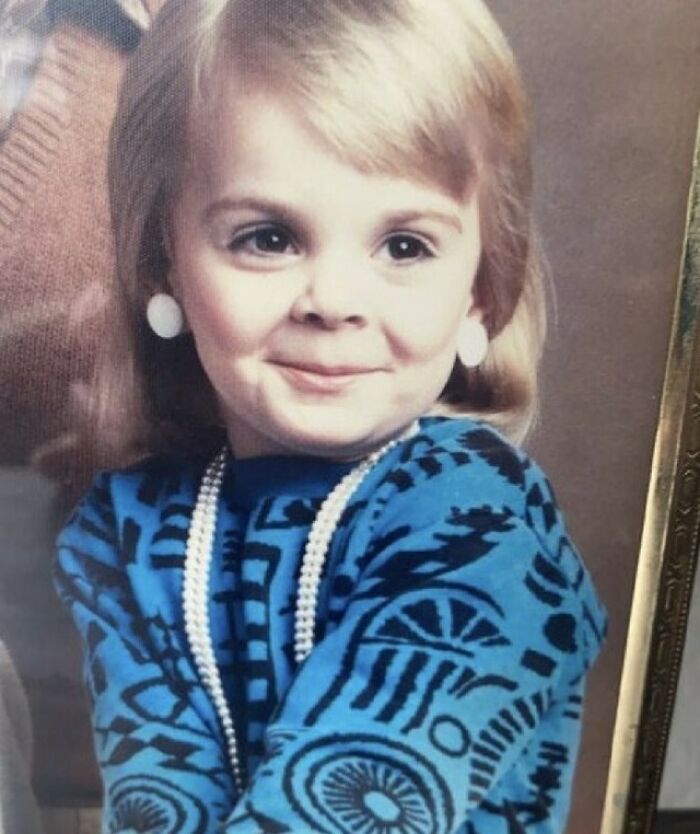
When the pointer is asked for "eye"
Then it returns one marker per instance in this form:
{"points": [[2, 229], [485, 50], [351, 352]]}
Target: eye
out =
{"points": [[407, 248], [263, 241]]}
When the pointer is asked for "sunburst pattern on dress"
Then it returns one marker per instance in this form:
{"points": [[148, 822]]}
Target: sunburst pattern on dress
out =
{"points": [[374, 798], [139, 816], [366, 784], [152, 805]]}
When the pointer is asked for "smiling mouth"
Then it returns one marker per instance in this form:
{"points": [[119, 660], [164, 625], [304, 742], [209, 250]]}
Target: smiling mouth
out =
{"points": [[322, 378]]}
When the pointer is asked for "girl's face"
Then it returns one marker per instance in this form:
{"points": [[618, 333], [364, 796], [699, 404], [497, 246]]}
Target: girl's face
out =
{"points": [[324, 302]]}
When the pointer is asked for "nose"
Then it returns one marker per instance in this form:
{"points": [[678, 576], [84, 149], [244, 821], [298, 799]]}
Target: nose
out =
{"points": [[332, 295]]}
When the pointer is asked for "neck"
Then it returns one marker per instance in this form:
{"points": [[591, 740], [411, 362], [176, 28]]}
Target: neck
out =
{"points": [[245, 443]]}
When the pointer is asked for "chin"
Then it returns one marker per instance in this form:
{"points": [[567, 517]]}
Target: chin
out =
{"points": [[337, 439], [330, 444]]}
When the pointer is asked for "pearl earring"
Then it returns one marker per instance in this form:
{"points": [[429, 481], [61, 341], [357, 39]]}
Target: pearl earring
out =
{"points": [[472, 343], [165, 316]]}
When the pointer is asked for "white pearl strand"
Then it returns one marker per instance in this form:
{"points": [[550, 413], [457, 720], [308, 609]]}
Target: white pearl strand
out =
{"points": [[198, 558], [195, 598]]}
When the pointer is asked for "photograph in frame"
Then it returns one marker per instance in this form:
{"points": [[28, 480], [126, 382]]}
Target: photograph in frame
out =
{"points": [[614, 113]]}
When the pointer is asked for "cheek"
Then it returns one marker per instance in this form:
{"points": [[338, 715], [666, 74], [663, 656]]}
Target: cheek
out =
{"points": [[214, 321], [211, 319], [225, 315], [426, 327], [426, 317]]}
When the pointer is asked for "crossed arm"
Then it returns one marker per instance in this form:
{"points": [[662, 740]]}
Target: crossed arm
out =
{"points": [[446, 700]]}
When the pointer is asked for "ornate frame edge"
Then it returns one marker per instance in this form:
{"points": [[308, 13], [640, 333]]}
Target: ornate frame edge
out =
{"points": [[667, 560]]}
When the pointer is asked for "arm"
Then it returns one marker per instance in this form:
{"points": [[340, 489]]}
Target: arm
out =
{"points": [[156, 738], [534, 794], [454, 665]]}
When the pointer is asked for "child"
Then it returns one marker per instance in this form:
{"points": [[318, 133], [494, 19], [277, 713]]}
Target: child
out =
{"points": [[325, 606]]}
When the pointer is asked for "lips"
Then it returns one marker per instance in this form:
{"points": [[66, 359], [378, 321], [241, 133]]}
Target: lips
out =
{"points": [[320, 378], [326, 370]]}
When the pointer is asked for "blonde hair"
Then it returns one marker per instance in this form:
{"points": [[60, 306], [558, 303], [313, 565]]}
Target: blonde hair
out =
{"points": [[423, 90]]}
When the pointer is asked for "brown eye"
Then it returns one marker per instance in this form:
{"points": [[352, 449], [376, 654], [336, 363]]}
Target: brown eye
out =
{"points": [[407, 248], [265, 240]]}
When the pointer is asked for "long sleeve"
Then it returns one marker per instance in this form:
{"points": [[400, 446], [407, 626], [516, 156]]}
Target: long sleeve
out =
{"points": [[447, 698], [443, 696], [156, 736]]}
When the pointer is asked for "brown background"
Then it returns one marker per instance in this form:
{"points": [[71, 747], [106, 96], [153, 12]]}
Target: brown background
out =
{"points": [[616, 90]]}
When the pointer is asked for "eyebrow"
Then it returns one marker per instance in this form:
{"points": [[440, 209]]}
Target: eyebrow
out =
{"points": [[292, 216], [428, 214], [259, 204]]}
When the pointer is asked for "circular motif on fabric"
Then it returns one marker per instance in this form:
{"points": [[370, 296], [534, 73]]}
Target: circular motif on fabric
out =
{"points": [[449, 736], [149, 805], [346, 784]]}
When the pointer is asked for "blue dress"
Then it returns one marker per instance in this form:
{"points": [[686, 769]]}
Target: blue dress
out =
{"points": [[444, 692]]}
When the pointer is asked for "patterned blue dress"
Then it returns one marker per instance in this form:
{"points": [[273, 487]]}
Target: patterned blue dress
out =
{"points": [[444, 693]]}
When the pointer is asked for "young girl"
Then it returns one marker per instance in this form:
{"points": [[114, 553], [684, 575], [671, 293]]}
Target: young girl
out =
{"points": [[322, 607]]}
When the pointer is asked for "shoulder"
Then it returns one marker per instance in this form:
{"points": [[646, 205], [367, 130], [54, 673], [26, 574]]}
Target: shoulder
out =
{"points": [[126, 503], [460, 486], [124, 545], [151, 481], [468, 466], [461, 461], [147, 484]]}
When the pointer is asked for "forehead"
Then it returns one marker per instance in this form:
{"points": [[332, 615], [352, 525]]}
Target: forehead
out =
{"points": [[441, 151], [259, 147]]}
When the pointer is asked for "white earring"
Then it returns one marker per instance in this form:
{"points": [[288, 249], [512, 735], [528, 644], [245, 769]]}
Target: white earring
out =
{"points": [[472, 343], [165, 316]]}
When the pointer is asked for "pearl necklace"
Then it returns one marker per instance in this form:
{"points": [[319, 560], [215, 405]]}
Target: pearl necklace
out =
{"points": [[197, 572]]}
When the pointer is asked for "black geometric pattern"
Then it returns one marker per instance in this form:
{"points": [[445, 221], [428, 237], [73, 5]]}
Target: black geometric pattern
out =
{"points": [[149, 805], [345, 784], [455, 626], [432, 634]]}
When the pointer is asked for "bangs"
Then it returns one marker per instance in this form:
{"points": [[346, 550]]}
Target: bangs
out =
{"points": [[386, 89]]}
